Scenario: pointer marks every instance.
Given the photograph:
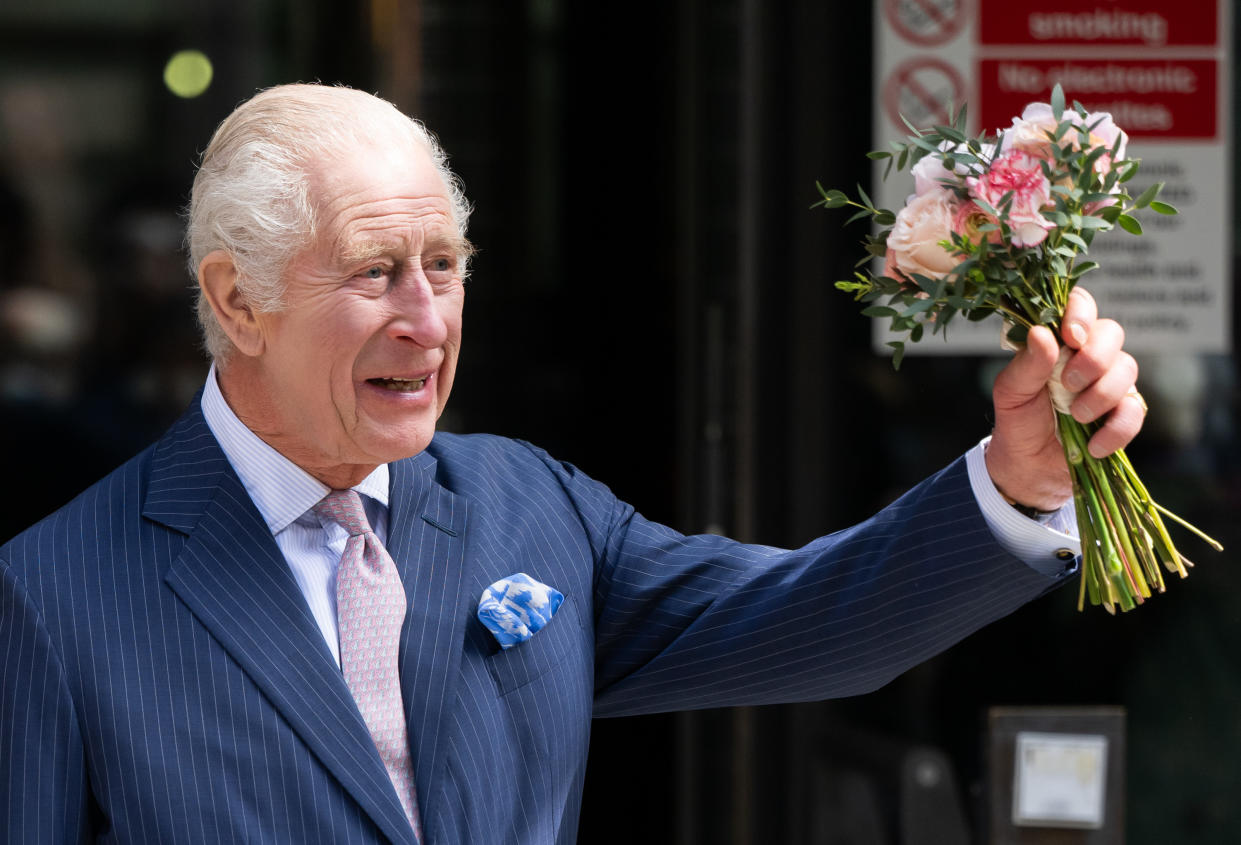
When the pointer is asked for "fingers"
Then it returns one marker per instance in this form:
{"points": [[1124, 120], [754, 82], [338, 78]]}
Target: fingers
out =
{"points": [[1102, 374], [1080, 313], [1025, 376], [1121, 426], [1105, 392], [1100, 371]]}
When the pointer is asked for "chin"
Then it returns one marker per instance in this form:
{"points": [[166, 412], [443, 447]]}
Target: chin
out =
{"points": [[395, 449]]}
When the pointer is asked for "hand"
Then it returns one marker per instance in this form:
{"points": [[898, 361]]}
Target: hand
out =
{"points": [[1024, 458]]}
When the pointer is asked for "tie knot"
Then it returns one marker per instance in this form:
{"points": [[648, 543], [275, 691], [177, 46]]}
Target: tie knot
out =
{"points": [[344, 507]]}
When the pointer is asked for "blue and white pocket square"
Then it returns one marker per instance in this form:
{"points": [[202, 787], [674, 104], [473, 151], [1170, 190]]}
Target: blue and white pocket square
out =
{"points": [[515, 608]]}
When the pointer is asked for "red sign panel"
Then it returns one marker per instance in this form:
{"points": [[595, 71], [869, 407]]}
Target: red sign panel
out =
{"points": [[1152, 99], [1146, 23]]}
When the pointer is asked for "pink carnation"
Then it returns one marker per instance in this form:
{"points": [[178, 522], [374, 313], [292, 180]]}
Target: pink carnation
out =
{"points": [[1021, 174]]}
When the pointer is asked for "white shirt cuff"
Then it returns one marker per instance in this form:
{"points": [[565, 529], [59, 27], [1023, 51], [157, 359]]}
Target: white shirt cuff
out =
{"points": [[1050, 547]]}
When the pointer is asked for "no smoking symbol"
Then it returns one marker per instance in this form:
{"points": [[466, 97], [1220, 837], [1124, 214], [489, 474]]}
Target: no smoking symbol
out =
{"points": [[924, 91], [925, 22]]}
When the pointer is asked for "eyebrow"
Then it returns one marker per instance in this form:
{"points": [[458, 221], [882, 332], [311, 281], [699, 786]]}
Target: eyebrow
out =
{"points": [[365, 251], [370, 250]]}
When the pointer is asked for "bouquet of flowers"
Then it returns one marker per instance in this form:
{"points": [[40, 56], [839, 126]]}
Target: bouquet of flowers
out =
{"points": [[1000, 225]]}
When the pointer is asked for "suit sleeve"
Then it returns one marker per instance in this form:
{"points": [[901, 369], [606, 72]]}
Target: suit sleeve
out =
{"points": [[43, 785], [702, 621]]}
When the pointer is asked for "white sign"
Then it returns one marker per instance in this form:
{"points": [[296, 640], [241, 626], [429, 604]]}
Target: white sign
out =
{"points": [[1164, 74], [1059, 780]]}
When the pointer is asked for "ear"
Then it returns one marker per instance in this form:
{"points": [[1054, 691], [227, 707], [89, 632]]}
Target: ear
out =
{"points": [[217, 276]]}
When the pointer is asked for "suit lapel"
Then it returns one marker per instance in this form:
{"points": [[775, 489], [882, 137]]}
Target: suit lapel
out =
{"points": [[232, 576], [427, 541]]}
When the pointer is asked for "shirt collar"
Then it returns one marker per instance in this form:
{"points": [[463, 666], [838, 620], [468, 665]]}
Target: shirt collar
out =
{"points": [[280, 489]]}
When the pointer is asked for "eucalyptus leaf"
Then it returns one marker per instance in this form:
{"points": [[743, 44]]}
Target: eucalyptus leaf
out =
{"points": [[878, 311], [1057, 101], [919, 306], [833, 198], [926, 145], [898, 353], [1144, 199], [1084, 268], [951, 134], [1017, 334]]}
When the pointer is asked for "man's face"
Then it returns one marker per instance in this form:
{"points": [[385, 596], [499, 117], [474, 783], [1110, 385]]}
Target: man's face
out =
{"points": [[357, 367]]}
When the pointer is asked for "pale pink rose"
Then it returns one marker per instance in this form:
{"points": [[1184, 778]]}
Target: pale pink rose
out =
{"points": [[930, 171], [968, 221], [1029, 133], [1104, 132], [1020, 173], [913, 244]]}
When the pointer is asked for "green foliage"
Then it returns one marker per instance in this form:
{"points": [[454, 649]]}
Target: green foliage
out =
{"points": [[1028, 285]]}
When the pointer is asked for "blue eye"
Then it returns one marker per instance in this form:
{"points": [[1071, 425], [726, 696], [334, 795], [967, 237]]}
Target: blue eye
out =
{"points": [[375, 272]]}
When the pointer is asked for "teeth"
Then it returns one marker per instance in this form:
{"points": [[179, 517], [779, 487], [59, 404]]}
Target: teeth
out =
{"points": [[400, 384]]}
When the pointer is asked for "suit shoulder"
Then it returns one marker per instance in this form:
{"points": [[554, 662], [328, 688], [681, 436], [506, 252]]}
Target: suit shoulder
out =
{"points": [[489, 455], [515, 474]]}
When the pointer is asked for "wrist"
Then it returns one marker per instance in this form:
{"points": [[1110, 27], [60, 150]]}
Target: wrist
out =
{"points": [[1028, 511], [1026, 485]]}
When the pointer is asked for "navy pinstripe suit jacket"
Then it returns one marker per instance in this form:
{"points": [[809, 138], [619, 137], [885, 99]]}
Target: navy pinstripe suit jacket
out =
{"points": [[163, 680]]}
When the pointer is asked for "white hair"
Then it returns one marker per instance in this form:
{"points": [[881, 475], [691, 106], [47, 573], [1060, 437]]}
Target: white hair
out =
{"points": [[252, 196]]}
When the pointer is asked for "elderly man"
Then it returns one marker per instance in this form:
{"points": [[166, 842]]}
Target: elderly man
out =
{"points": [[267, 626]]}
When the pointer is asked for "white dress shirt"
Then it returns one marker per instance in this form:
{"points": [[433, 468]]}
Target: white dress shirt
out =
{"points": [[284, 494], [1049, 546]]}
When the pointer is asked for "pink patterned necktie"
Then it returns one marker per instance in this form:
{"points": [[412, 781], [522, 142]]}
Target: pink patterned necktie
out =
{"points": [[370, 608]]}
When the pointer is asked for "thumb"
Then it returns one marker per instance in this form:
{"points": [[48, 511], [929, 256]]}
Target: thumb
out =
{"points": [[1023, 380]]}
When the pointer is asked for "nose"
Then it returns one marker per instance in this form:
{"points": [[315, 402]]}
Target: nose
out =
{"points": [[418, 313]]}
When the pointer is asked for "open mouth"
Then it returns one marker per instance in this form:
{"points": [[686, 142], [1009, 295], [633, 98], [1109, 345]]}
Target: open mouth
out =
{"points": [[401, 385]]}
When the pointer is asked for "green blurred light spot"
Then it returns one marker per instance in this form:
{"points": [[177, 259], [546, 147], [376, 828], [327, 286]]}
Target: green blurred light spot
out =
{"points": [[188, 73]]}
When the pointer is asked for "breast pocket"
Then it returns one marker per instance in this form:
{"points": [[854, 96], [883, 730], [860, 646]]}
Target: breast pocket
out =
{"points": [[525, 662]]}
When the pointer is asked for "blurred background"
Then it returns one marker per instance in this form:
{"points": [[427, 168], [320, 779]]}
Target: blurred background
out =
{"points": [[652, 301]]}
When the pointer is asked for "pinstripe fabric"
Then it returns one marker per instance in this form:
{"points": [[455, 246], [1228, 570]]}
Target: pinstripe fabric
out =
{"points": [[163, 679], [284, 493]]}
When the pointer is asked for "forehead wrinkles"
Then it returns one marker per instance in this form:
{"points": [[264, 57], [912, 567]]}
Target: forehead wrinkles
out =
{"points": [[377, 187], [409, 230]]}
